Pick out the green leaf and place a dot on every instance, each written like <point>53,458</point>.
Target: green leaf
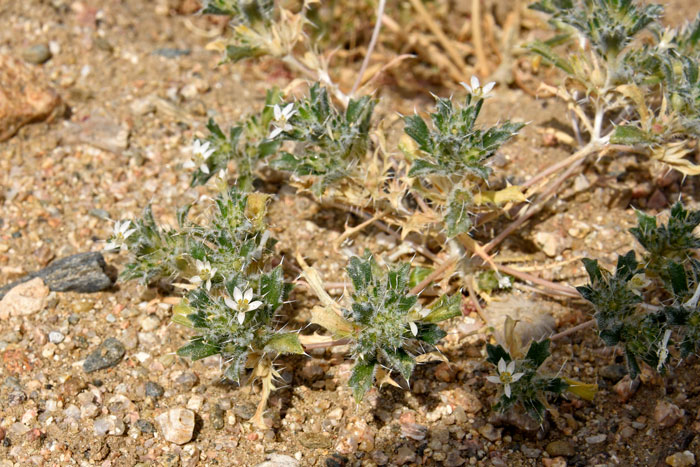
<point>285,343</point>
<point>197,349</point>
<point>538,352</point>
<point>678,278</point>
<point>430,333</point>
<point>418,274</point>
<point>630,135</point>
<point>400,361</point>
<point>416,128</point>
<point>236,365</point>
<point>626,266</point>
<point>546,52</point>
<point>361,378</point>
<point>446,307</point>
<point>495,353</point>
<point>272,287</point>
<point>360,273</point>
<point>593,270</point>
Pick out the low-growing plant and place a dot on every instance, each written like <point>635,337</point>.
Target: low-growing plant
<point>650,307</point>
<point>630,83</point>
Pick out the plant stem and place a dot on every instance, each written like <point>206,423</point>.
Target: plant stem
<point>370,48</point>
<point>444,266</point>
<point>585,325</point>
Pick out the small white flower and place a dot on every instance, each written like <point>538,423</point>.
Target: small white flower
<point>205,273</point>
<point>666,41</point>
<point>241,303</point>
<point>663,350</point>
<point>121,233</point>
<point>282,116</point>
<point>504,282</point>
<point>201,151</point>
<point>414,328</point>
<point>475,89</point>
<point>505,376</point>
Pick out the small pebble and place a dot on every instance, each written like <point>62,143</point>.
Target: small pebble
<point>37,54</point>
<point>56,337</point>
<point>145,426</point>
<point>177,425</point>
<point>560,448</point>
<point>154,390</point>
<point>667,414</point>
<point>187,381</point>
<point>596,439</point>
<point>681,459</point>
<point>107,355</point>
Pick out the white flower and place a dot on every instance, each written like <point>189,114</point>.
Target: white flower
<point>242,303</point>
<point>282,116</point>
<point>476,90</point>
<point>504,282</point>
<point>201,151</point>
<point>663,350</point>
<point>414,328</point>
<point>505,376</point>
<point>121,233</point>
<point>205,273</point>
<point>667,38</point>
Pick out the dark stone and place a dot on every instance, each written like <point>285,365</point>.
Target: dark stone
<point>16,398</point>
<point>154,390</point>
<point>244,411</point>
<point>217,417</point>
<point>84,273</point>
<point>336,460</point>
<point>145,426</point>
<point>107,355</point>
<point>613,373</point>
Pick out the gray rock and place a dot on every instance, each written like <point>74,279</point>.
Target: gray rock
<point>279,460</point>
<point>37,54</point>
<point>16,398</point>
<point>217,417</point>
<point>596,439</point>
<point>244,411</point>
<point>145,426</point>
<point>107,355</point>
<point>109,425</point>
<point>84,273</point>
<point>154,390</point>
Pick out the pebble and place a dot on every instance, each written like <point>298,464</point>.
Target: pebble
<point>149,323</point>
<point>489,432</point>
<point>667,414</point>
<point>110,424</point>
<point>37,54</point>
<point>531,453</point>
<point>195,403</point>
<point>404,455</point>
<point>89,410</point>
<point>625,388</point>
<point>613,373</point>
<point>681,459</point>
<point>154,390</point>
<point>596,439</point>
<point>177,425</point>
<point>188,380</point>
<point>560,447</point>
<point>312,440</point>
<point>244,411</point>
<point>554,462</point>
<point>24,299</point>
<point>16,398</point>
<point>217,417</point>
<point>145,426</point>
<point>107,355</point>
<point>56,337</point>
<point>279,460</point>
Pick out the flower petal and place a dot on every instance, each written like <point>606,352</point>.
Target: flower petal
<point>414,328</point>
<point>493,379</point>
<point>237,294</point>
<point>241,317</point>
<point>204,168</point>
<point>506,390</point>
<point>475,83</point>
<point>275,132</point>
<point>196,280</point>
<point>488,87</point>
<point>188,165</point>
<point>231,303</point>
<point>517,376</point>
<point>511,367</point>
<point>466,86</point>
<point>248,295</point>
<point>501,366</point>
<point>255,305</point>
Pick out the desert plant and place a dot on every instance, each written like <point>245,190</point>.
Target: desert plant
<point>642,305</point>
